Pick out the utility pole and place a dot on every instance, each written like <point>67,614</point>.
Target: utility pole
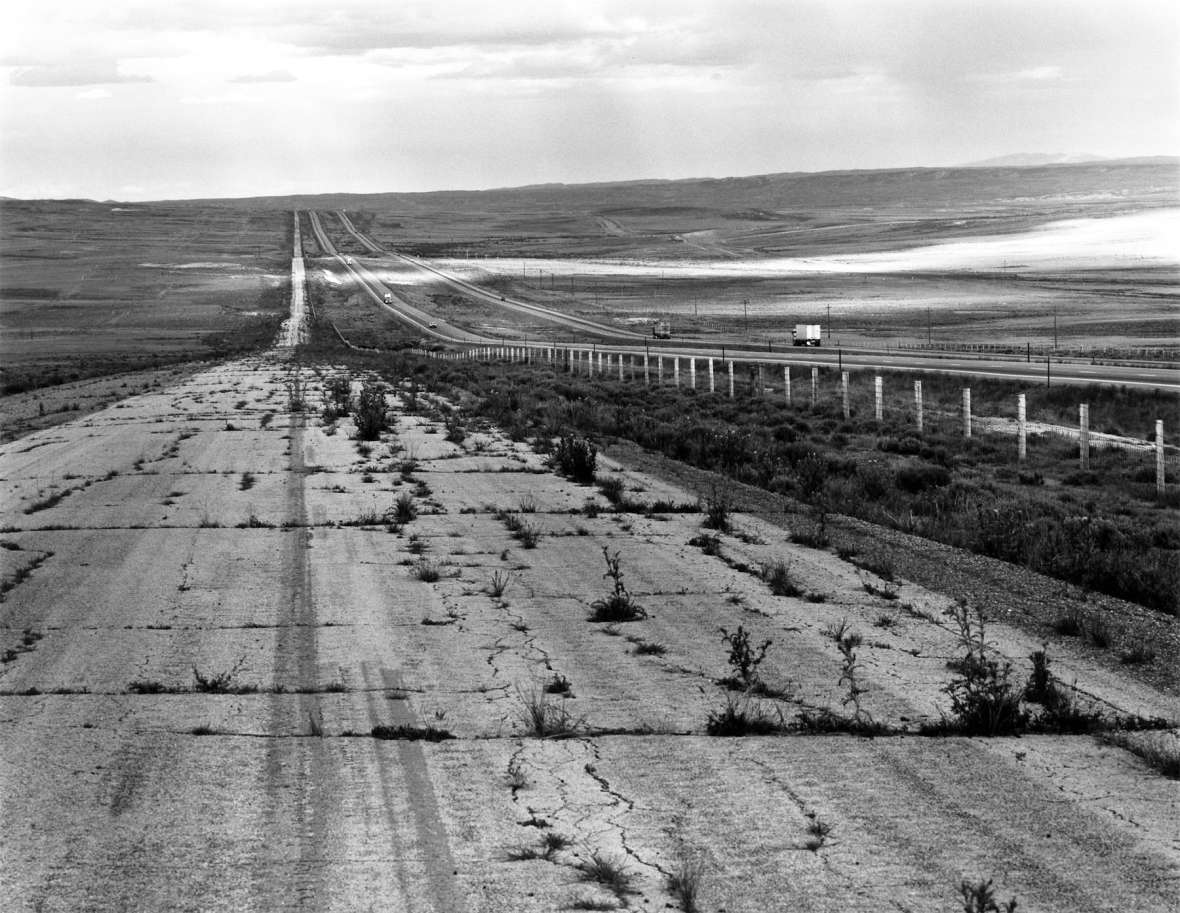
<point>746,311</point>
<point>1054,328</point>
<point>929,334</point>
<point>829,321</point>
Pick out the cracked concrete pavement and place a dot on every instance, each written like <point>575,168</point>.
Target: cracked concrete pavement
<point>212,532</point>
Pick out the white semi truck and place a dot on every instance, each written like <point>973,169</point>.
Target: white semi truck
<point>806,334</point>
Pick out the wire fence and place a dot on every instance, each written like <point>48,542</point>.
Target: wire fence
<point>1033,443</point>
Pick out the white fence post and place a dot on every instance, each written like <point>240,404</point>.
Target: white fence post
<point>966,412</point>
<point>660,370</point>
<point>620,366</point>
<point>731,379</point>
<point>692,373</point>
<point>787,384</point>
<point>1021,428</point>
<point>712,383</point>
<point>1159,456</point>
<point>1084,435</point>
<point>918,405</point>
<point>814,386</point>
<point>646,371</point>
<point>879,394</point>
<point>844,394</point>
<point>676,370</point>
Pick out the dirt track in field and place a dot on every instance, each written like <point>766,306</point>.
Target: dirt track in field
<point>209,528</point>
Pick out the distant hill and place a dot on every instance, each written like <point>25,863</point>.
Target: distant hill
<point>1035,186</point>
<point>1153,181</point>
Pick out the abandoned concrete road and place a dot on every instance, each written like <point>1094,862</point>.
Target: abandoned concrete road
<point>208,607</point>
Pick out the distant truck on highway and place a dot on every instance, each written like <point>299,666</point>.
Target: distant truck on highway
<point>806,334</point>
<point>389,297</point>
<point>662,330</point>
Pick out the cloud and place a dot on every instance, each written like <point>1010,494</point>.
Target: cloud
<point>270,76</point>
<point>83,73</point>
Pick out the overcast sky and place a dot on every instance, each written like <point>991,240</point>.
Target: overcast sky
<point>186,98</point>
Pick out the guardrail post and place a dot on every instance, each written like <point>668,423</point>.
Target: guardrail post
<point>600,363</point>
<point>1159,457</point>
<point>967,412</point>
<point>844,394</point>
<point>918,405</point>
<point>676,370</point>
<point>814,386</point>
<point>1084,435</point>
<point>787,384</point>
<point>761,382</point>
<point>646,371</point>
<point>879,396</point>
<point>620,366</point>
<point>660,370</point>
<point>692,373</point>
<point>712,380</point>
<point>1021,428</point>
<point>731,379</point>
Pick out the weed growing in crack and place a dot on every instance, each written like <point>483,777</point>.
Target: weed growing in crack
<point>739,717</point>
<point>684,880</point>
<point>1040,688</point>
<point>777,576</point>
<point>850,678</point>
<point>515,776</point>
<point>499,583</point>
<point>527,535</point>
<point>818,832</point>
<point>610,871</point>
<point>560,685</point>
<point>544,719</point>
<point>247,481</point>
<point>647,647</point>
<point>981,898</point>
<point>404,509</point>
<point>619,605</point>
<point>983,699</point>
<point>221,682</point>
<point>744,659</point>
<point>426,571</point>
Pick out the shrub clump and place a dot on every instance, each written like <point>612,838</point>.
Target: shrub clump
<point>371,417</point>
<point>576,458</point>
